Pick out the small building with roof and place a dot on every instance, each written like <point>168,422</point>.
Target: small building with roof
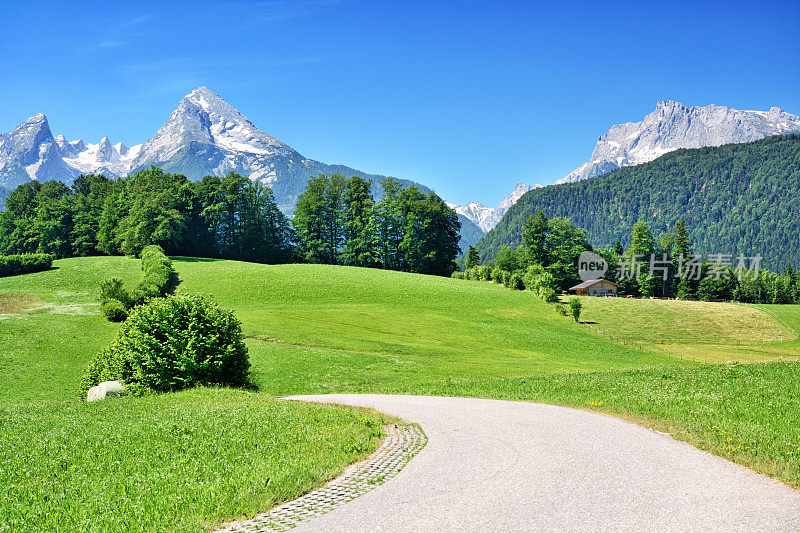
<point>595,287</point>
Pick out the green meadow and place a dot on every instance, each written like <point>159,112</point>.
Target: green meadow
<point>192,460</point>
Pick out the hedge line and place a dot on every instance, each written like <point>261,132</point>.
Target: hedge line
<point>159,279</point>
<point>13,265</point>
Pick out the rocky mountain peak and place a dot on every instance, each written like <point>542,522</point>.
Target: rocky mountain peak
<point>487,218</point>
<point>204,117</point>
<point>673,125</point>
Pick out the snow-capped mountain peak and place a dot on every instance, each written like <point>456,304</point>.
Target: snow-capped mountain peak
<point>101,158</point>
<point>204,117</point>
<point>487,218</point>
<point>30,151</point>
<point>673,125</point>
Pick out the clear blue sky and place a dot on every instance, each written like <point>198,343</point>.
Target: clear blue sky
<point>467,97</point>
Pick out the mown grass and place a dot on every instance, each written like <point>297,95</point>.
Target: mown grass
<point>700,331</point>
<point>46,343</point>
<point>175,462</point>
<point>317,328</point>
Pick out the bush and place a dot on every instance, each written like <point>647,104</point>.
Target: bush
<point>497,275</point>
<point>114,310</point>
<point>159,279</point>
<point>514,281</point>
<point>575,308</point>
<point>113,289</point>
<point>484,273</point>
<point>14,265</point>
<point>541,283</point>
<point>547,294</point>
<point>558,308</point>
<point>173,343</point>
<point>457,274</point>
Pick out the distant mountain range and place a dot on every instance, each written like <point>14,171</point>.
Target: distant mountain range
<point>204,136</point>
<point>670,127</point>
<point>487,218</point>
<point>674,125</point>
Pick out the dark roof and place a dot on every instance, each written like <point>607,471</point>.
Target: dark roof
<point>587,284</point>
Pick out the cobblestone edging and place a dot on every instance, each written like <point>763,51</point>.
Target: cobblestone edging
<point>399,446</point>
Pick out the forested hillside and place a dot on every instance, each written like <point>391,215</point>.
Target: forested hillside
<point>736,198</point>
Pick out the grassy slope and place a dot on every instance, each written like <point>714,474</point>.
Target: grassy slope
<point>45,349</point>
<point>183,461</point>
<point>318,329</point>
<point>703,331</point>
<point>350,329</point>
<point>310,326</point>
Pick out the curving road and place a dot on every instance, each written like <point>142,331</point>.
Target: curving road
<point>493,465</point>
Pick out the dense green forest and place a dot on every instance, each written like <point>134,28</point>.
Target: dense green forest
<point>735,199</point>
<point>546,262</point>
<point>337,221</point>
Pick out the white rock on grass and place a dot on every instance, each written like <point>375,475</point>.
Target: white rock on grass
<point>104,390</point>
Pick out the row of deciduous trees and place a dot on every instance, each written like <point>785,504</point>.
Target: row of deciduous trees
<point>338,221</point>
<point>226,217</point>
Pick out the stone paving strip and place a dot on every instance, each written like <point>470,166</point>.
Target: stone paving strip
<point>399,446</point>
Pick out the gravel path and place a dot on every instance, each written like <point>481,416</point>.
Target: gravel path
<point>493,465</point>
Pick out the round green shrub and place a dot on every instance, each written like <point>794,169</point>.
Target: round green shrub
<point>575,307</point>
<point>497,275</point>
<point>514,281</point>
<point>113,310</point>
<point>174,343</point>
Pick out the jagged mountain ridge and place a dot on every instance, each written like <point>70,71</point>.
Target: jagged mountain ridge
<point>487,218</point>
<point>205,135</point>
<point>674,125</point>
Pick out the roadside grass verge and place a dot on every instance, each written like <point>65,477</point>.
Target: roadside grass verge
<point>747,413</point>
<point>173,462</point>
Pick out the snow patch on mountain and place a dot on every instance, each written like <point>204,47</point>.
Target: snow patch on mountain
<point>487,218</point>
<point>674,125</point>
<point>103,157</point>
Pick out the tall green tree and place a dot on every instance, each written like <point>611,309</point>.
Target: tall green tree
<point>472,259</point>
<point>89,192</point>
<point>430,240</point>
<point>359,223</point>
<point>390,224</point>
<point>534,238</point>
<point>564,245</point>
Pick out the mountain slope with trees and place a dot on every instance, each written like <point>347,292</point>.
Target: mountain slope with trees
<point>737,198</point>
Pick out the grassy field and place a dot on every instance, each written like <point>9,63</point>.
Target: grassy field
<point>50,326</point>
<point>317,329</point>
<point>702,331</point>
<point>175,462</point>
<point>310,326</point>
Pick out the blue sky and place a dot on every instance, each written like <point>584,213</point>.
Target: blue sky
<point>467,97</point>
